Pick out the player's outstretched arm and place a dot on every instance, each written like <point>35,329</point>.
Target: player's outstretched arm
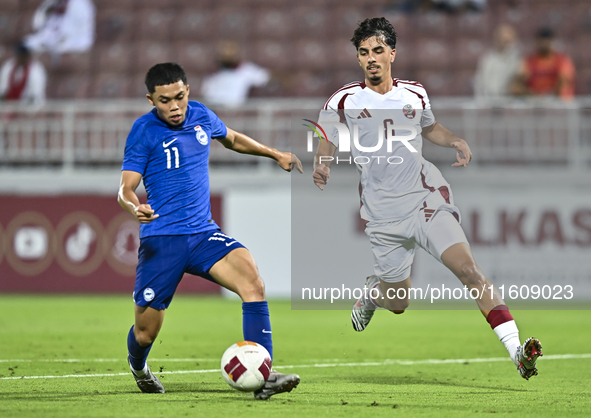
<point>321,164</point>
<point>437,134</point>
<point>244,144</point>
<point>129,200</point>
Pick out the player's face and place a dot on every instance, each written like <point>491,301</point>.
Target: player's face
<point>171,102</point>
<point>375,57</point>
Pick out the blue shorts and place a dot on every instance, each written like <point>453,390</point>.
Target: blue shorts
<point>163,259</point>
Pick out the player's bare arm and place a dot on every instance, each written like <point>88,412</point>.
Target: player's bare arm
<point>244,144</point>
<point>322,167</point>
<point>129,200</point>
<point>441,136</point>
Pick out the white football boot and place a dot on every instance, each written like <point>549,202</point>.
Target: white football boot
<point>526,356</point>
<point>364,308</point>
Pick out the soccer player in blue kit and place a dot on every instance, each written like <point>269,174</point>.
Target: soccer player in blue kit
<point>169,149</point>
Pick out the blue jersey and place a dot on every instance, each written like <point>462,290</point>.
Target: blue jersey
<point>174,164</point>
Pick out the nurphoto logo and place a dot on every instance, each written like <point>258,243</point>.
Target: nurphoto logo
<point>387,135</point>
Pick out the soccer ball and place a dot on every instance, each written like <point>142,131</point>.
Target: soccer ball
<point>246,366</point>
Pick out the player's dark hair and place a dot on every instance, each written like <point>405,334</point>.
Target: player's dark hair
<point>164,74</point>
<point>378,27</point>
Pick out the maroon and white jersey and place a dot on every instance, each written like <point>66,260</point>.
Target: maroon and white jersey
<point>394,179</point>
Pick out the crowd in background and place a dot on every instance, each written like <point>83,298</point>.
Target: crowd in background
<point>68,27</point>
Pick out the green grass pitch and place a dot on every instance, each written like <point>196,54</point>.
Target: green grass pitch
<point>379,372</point>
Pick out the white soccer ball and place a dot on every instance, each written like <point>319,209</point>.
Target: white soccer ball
<point>246,366</point>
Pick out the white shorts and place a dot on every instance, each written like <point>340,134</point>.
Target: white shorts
<point>434,227</point>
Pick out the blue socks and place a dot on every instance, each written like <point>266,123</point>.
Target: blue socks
<point>256,325</point>
<point>137,353</point>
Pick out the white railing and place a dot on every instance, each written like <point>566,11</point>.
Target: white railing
<point>73,134</point>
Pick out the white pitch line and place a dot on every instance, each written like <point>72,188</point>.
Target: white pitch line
<point>320,365</point>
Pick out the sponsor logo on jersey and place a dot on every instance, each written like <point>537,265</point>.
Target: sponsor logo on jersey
<point>408,111</point>
<point>364,114</point>
<point>201,135</point>
<point>165,144</point>
<point>149,294</point>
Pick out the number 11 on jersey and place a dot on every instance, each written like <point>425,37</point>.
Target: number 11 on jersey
<point>169,159</point>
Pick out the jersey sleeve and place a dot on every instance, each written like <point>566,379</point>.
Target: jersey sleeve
<point>136,154</point>
<point>327,119</point>
<point>332,112</point>
<point>218,129</point>
<point>427,118</point>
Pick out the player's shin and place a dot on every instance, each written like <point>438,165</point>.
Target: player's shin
<point>137,354</point>
<point>256,325</point>
<point>502,323</point>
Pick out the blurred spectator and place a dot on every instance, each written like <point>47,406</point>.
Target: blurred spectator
<point>449,6</point>
<point>546,72</point>
<point>231,84</point>
<point>497,69</point>
<point>452,6</point>
<point>62,26</point>
<point>23,78</point>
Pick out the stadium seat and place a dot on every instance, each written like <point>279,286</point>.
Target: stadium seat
<point>115,25</point>
<point>583,81</point>
<point>149,53</point>
<point>344,19</point>
<point>343,53</point>
<point>275,22</point>
<point>308,84</point>
<point>194,25</point>
<point>137,87</point>
<point>110,85</point>
<point>341,78</point>
<point>9,27</point>
<point>472,24</point>
<point>405,56</point>
<point>402,23</point>
<point>68,86</point>
<point>112,57</point>
<point>437,82</point>
<point>233,23</point>
<point>432,24</point>
<point>311,22</point>
<point>312,55</point>
<point>462,82</point>
<point>581,52</point>
<point>123,5</point>
<point>195,56</point>
<point>152,21</point>
<point>434,53</point>
<point>8,6</point>
<point>467,51</point>
<point>73,63</point>
<point>156,4</point>
<point>272,54</point>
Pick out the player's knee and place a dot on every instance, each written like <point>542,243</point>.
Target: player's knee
<point>145,337</point>
<point>471,275</point>
<point>397,311</point>
<point>251,284</point>
<point>398,306</point>
<point>258,286</point>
